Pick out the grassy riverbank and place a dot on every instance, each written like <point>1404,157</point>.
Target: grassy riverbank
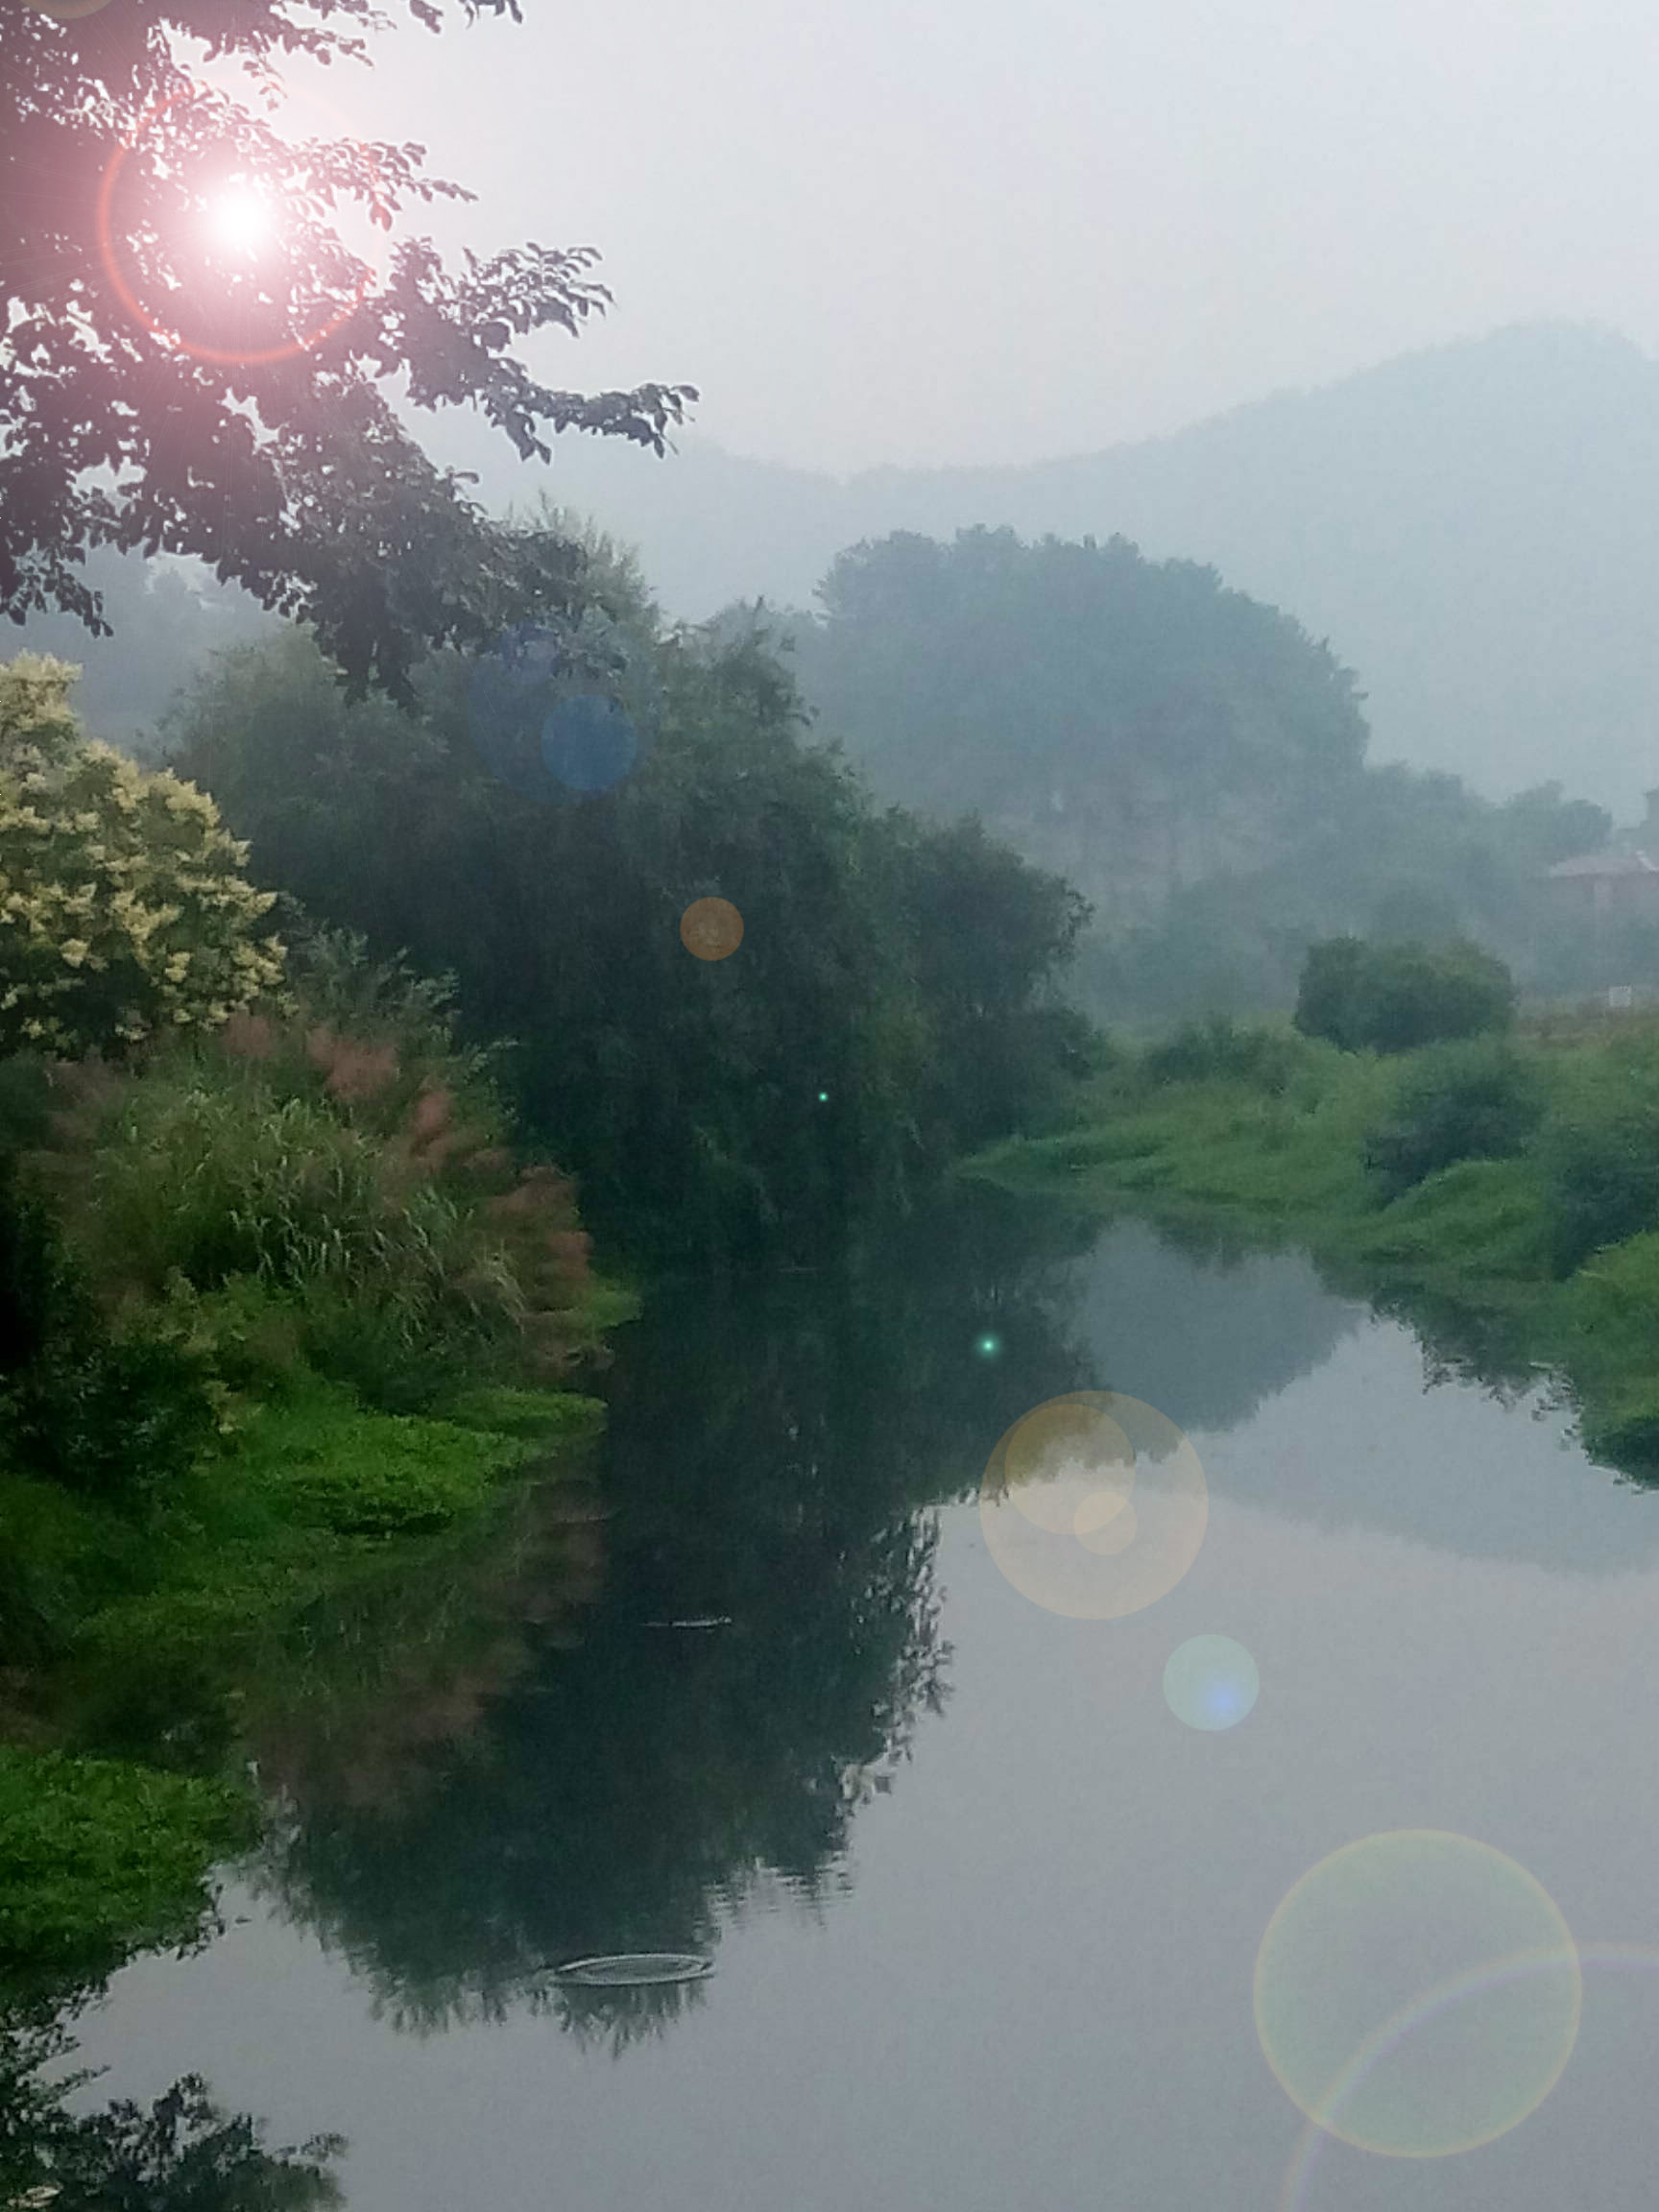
<point>1504,1194</point>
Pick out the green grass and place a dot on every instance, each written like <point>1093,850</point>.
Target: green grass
<point>1483,1218</point>
<point>545,1415</point>
<point>102,1859</point>
<point>322,1463</point>
<point>316,1494</point>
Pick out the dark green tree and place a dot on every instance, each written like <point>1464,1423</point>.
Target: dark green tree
<point>1391,998</point>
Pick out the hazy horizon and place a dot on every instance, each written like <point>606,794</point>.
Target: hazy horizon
<point>918,238</point>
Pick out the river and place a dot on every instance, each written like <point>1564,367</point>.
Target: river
<point>983,1914</point>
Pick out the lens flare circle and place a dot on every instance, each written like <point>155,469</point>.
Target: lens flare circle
<point>711,928</point>
<point>67,10</point>
<point>221,357</point>
<point>588,741</point>
<point>1417,1994</point>
<point>562,712</point>
<point>1093,1504</point>
<point>1211,1682</point>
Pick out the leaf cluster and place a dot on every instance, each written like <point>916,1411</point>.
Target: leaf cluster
<point>160,390</point>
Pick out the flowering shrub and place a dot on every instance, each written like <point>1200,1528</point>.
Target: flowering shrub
<point>124,912</point>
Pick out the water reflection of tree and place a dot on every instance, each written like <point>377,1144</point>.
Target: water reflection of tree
<point>181,2153</point>
<point>1490,1344</point>
<point>771,1457</point>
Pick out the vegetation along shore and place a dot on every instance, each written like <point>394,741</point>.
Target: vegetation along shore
<point>1494,1180</point>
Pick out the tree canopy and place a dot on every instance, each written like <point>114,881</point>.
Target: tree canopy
<point>179,383</point>
<point>887,1004</point>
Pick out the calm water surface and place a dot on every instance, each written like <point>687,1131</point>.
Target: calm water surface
<point>983,1914</point>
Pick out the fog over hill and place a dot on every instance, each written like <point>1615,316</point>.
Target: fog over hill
<point>1474,529</point>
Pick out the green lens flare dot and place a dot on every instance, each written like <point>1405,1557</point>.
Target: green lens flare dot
<point>1418,1994</point>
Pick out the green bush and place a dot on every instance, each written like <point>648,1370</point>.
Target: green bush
<point>1608,1309</point>
<point>199,1180</point>
<point>1600,1163</point>
<point>291,1194</point>
<point>1392,998</point>
<point>1475,1099</point>
<point>120,1415</point>
<point>325,1463</point>
<point>1218,1049</point>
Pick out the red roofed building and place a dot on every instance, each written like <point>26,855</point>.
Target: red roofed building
<point>1620,884</point>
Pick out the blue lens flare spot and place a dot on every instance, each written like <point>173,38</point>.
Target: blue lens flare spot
<point>1211,1682</point>
<point>589,742</point>
<point>988,1346</point>
<point>563,713</point>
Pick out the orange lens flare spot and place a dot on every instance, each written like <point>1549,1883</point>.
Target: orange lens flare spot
<point>711,928</point>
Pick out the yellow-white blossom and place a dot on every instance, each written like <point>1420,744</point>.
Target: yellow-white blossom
<point>114,881</point>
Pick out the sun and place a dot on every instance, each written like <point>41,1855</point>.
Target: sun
<point>240,218</point>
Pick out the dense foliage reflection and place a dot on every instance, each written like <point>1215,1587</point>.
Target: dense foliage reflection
<point>771,1457</point>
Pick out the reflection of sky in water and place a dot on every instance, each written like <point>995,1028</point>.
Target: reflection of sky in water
<point>1357,1441</point>
<point>1035,1983</point>
<point>1205,1344</point>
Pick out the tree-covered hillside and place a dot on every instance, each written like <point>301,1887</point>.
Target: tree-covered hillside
<point>1134,726</point>
<point>1191,758</point>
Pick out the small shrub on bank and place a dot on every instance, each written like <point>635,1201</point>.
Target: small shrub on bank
<point>1220,1051</point>
<point>292,1192</point>
<point>324,1463</point>
<point>1471,1101</point>
<point>1609,1309</point>
<point>1393,997</point>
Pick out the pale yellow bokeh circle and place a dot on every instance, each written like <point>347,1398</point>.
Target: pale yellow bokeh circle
<point>1417,1993</point>
<point>711,928</point>
<point>1093,1504</point>
<point>67,10</point>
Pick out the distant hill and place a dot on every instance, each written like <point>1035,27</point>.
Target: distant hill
<point>1475,530</point>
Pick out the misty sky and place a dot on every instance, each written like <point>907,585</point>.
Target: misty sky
<point>895,230</point>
